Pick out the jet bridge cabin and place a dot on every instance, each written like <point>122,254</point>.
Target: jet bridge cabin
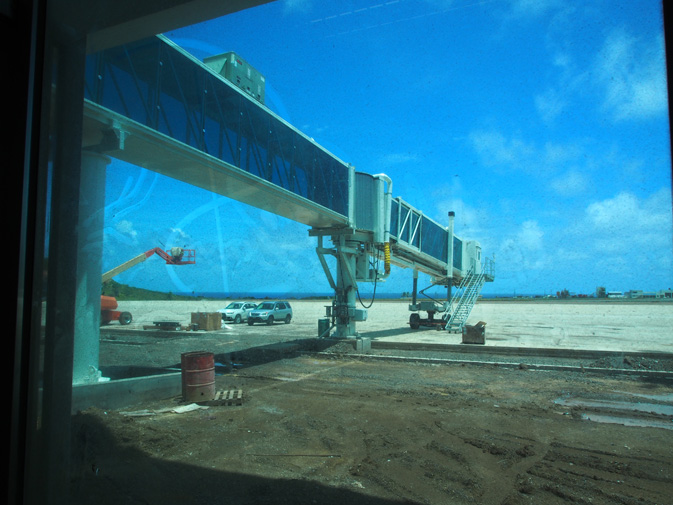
<point>415,240</point>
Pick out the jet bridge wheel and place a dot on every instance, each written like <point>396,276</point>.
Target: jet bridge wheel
<point>414,321</point>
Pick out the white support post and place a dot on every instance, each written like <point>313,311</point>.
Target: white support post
<point>449,269</point>
<point>89,268</point>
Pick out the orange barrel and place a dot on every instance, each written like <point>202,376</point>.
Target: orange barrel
<point>198,376</point>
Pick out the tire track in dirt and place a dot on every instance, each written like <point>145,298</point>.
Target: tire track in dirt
<point>586,475</point>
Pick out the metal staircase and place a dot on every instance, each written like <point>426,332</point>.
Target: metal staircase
<point>461,306</point>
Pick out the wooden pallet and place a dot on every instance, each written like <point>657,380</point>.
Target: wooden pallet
<point>226,397</point>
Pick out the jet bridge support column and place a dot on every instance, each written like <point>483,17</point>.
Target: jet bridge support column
<point>346,290</point>
<point>348,249</point>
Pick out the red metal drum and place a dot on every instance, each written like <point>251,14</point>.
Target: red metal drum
<point>198,376</point>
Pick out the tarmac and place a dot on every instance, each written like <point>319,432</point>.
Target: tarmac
<point>587,326</point>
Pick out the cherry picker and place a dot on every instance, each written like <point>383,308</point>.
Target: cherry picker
<point>108,304</point>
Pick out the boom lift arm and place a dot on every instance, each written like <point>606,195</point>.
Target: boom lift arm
<point>174,256</point>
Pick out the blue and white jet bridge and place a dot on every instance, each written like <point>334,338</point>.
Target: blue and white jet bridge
<point>152,104</point>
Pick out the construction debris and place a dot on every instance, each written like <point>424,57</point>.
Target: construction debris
<point>175,410</point>
<point>474,334</point>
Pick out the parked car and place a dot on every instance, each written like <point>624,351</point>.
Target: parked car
<point>237,311</point>
<point>269,312</point>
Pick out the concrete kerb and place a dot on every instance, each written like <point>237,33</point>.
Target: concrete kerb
<point>517,351</point>
<point>124,392</point>
<point>514,365</point>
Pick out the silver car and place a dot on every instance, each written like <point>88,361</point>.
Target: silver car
<point>269,312</point>
<point>237,311</point>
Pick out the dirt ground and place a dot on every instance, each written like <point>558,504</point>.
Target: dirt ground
<point>320,424</point>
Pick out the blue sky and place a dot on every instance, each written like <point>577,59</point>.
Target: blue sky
<point>542,123</point>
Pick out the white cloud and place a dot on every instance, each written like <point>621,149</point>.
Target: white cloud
<point>625,238</point>
<point>631,74</point>
<point>627,224</point>
<point>550,105</point>
<point>496,149</point>
<point>126,228</point>
<point>530,236</point>
<point>179,233</point>
<point>627,212</point>
<point>562,60</point>
<point>515,153</point>
<point>625,78</point>
<point>570,184</point>
<point>558,155</point>
<point>523,251</point>
<point>469,221</point>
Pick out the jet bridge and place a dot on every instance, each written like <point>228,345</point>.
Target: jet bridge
<point>385,231</point>
<point>152,104</point>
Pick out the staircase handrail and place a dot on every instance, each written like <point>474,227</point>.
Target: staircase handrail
<point>461,312</point>
<point>454,303</point>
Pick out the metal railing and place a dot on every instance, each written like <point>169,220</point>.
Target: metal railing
<point>461,306</point>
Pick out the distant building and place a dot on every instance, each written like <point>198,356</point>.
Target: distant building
<point>639,293</point>
<point>615,294</point>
